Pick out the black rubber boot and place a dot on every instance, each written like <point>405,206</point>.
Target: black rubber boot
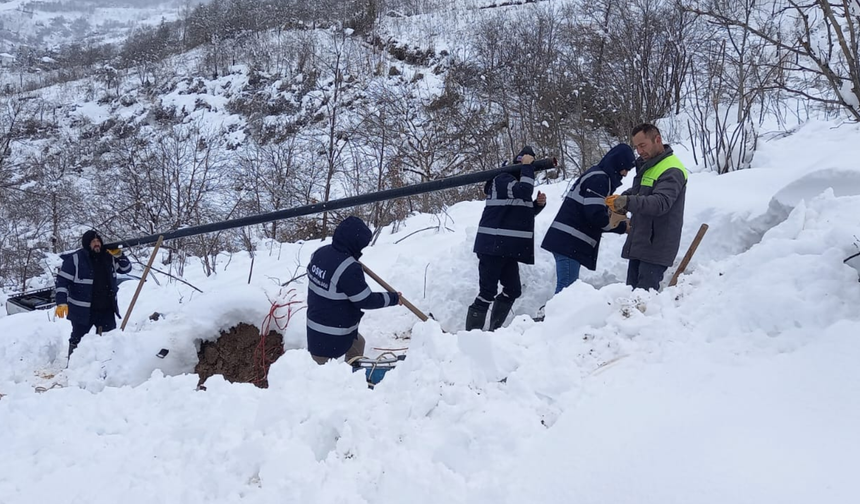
<point>476,316</point>
<point>72,347</point>
<point>501,307</point>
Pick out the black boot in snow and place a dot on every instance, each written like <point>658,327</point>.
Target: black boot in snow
<point>501,307</point>
<point>72,347</point>
<point>476,317</point>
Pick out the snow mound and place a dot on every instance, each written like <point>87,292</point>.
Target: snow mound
<point>841,182</point>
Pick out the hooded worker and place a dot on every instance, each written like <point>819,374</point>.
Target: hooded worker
<point>87,287</point>
<point>505,238</point>
<point>574,235</point>
<point>338,292</point>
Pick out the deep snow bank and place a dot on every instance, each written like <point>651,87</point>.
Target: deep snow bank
<point>738,384</point>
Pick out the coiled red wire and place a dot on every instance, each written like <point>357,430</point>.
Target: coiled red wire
<point>261,361</point>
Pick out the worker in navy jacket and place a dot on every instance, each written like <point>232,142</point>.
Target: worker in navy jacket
<point>574,235</point>
<point>505,238</point>
<point>86,287</point>
<point>338,292</point>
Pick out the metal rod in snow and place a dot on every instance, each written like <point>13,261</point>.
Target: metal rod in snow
<point>362,199</point>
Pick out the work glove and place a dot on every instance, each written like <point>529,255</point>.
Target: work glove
<point>615,219</point>
<point>527,159</point>
<point>617,203</point>
<point>62,310</point>
<point>541,199</point>
<point>115,252</point>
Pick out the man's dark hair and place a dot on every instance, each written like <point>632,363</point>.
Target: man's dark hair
<point>648,129</point>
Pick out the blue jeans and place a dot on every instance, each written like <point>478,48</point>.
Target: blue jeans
<point>566,271</point>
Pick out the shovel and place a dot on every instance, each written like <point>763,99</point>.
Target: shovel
<point>418,313</point>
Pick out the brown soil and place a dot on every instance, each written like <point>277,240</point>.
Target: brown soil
<point>234,355</point>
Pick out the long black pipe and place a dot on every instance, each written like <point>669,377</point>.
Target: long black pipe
<point>362,199</point>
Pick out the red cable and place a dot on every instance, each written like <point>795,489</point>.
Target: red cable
<point>260,361</point>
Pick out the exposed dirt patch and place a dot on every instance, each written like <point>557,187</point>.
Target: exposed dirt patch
<point>237,356</point>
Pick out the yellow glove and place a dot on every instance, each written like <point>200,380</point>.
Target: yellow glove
<point>617,203</point>
<point>62,310</point>
<point>115,252</point>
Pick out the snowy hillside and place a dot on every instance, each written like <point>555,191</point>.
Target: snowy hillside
<point>51,24</point>
<point>739,385</point>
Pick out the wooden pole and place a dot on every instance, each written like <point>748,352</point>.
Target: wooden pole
<point>389,288</point>
<point>689,255</point>
<point>140,283</point>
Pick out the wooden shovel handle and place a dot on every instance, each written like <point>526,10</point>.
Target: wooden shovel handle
<point>689,255</point>
<point>142,280</point>
<point>389,288</point>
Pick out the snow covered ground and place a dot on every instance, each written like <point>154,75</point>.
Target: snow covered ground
<point>738,385</point>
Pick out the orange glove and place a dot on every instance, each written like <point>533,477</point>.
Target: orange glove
<point>62,310</point>
<point>617,203</point>
<point>115,252</point>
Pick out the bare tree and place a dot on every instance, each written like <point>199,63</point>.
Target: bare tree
<point>635,60</point>
<point>269,177</point>
<point>55,171</point>
<point>814,47</point>
<point>372,150</point>
<point>146,48</point>
<point>726,87</point>
<point>11,117</point>
<point>572,80</point>
<point>335,65</point>
<point>172,179</point>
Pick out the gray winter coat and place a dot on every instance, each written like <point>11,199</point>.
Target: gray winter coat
<point>658,213</point>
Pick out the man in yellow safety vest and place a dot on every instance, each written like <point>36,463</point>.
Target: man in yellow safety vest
<point>656,202</point>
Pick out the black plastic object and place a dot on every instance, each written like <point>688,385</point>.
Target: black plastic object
<point>362,199</point>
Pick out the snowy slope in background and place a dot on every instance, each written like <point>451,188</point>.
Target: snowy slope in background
<point>57,23</point>
<point>738,385</point>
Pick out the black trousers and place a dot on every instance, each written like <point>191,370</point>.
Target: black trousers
<point>643,275</point>
<point>104,320</point>
<point>493,270</point>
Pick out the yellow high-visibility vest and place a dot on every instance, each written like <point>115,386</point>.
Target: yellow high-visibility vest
<point>652,174</point>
